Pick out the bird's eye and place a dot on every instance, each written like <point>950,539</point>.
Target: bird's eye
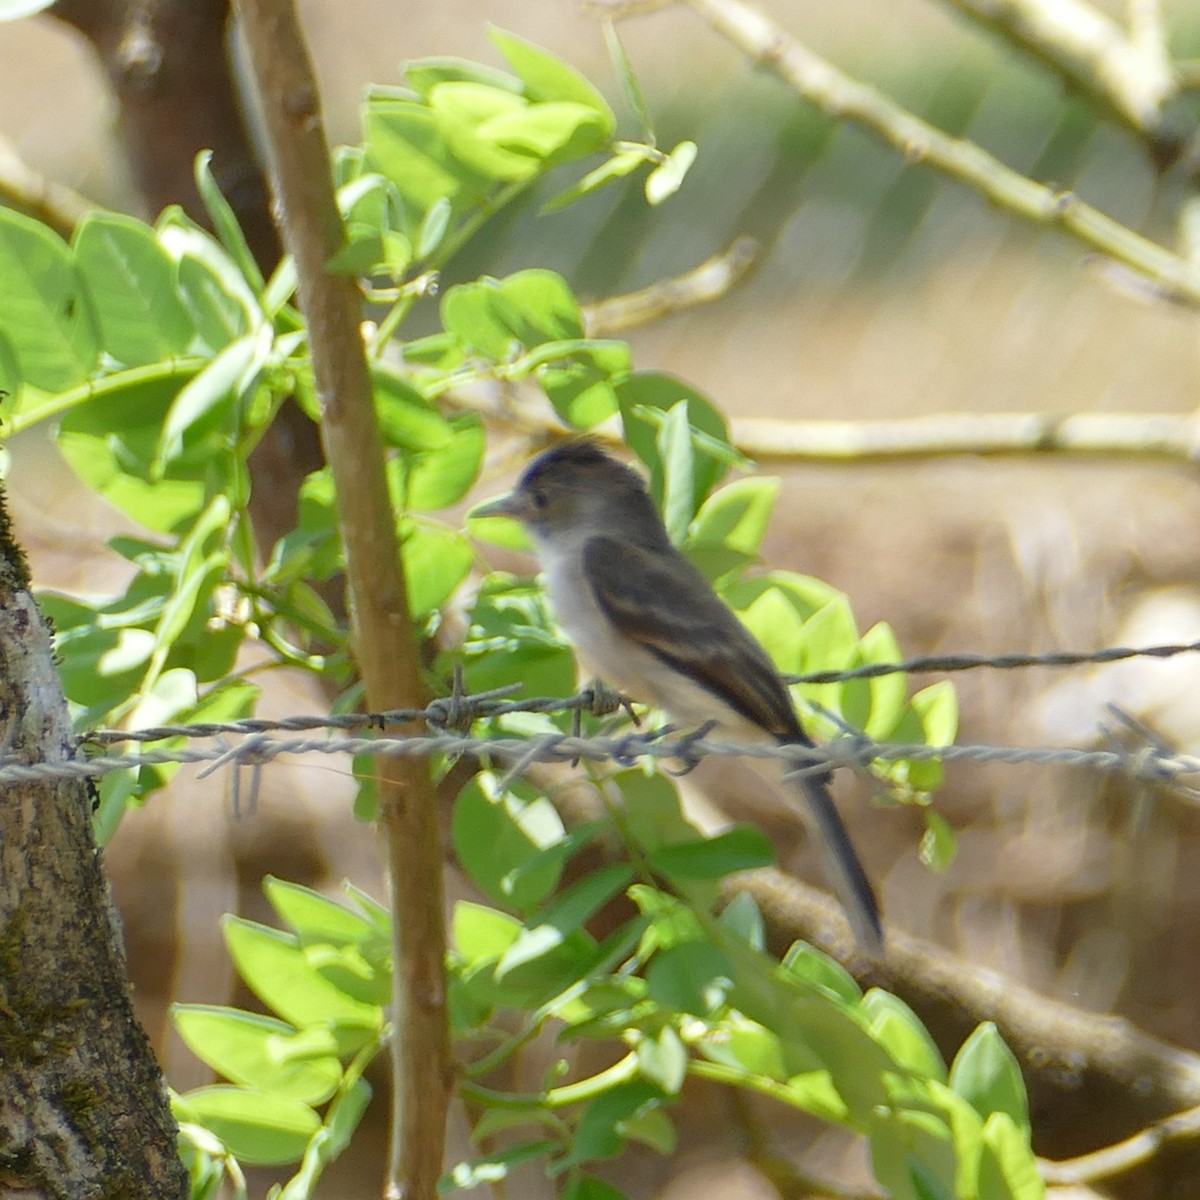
<point>537,498</point>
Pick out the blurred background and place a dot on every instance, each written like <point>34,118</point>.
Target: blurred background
<point>884,291</point>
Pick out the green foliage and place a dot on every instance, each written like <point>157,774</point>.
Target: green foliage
<point>295,1091</point>
<point>161,356</point>
<point>677,992</point>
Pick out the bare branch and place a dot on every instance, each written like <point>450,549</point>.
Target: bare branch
<point>1066,1048</point>
<point>1126,435</point>
<point>1128,75</point>
<point>711,280</point>
<point>838,95</point>
<point>1124,1156</point>
<point>52,203</point>
<point>384,639</point>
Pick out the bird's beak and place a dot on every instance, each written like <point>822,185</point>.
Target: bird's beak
<point>513,505</point>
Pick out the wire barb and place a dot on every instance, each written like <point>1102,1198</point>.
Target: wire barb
<point>448,721</point>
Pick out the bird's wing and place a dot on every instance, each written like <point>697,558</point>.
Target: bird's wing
<point>667,607</point>
<point>661,602</point>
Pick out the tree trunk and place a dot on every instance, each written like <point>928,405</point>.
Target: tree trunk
<point>83,1107</point>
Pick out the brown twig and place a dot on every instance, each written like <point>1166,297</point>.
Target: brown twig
<point>711,280</point>
<point>52,203</point>
<point>1125,1155</point>
<point>1104,1062</point>
<point>386,648</point>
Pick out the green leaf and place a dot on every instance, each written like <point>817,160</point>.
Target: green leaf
<point>163,698</point>
<point>986,1074</point>
<point>623,163</point>
<point>652,1127</point>
<point>743,917</point>
<point>529,307</point>
<point>913,1155</point>
<point>426,481</point>
<point>898,1029</point>
<point>362,971</point>
<point>663,1060</point>
<point>132,282</point>
<point>584,898</point>
<point>45,311</point>
<point>436,561</point>
<point>256,1127</point>
<point>461,111</point>
<point>819,970</point>
<point>548,78</point>
<point>433,227</point>
<point>497,834</point>
<point>587,1187</point>
<point>315,918</point>
<point>939,846</point>
<point>631,89</point>
<point>204,400</point>
<point>423,74</point>
<point>224,222</point>
<point>737,515</point>
<point>876,705</point>
<point>747,1046</point>
<point>690,977</point>
<point>1007,1167</point>
<point>253,1051</point>
<point>667,178</point>
<point>739,849</point>
<point>546,134</point>
<point>655,391</point>
<point>937,706</point>
<point>581,392</point>
<point>219,301</point>
<point>405,143</point>
<point>601,1130</point>
<point>111,443</point>
<point>653,812</point>
<point>674,444</point>
<point>276,970</point>
<point>480,932</point>
<point>10,377</point>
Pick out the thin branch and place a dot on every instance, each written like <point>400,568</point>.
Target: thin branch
<point>1114,1160</point>
<point>384,639</point>
<point>1099,1055</point>
<point>841,97</point>
<point>1124,435</point>
<point>1128,75</point>
<point>711,280</point>
<point>52,203</point>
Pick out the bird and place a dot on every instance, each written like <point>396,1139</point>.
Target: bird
<point>642,615</point>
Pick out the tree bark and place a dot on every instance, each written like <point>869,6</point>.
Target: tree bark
<point>83,1106</point>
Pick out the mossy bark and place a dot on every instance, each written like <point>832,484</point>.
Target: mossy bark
<point>83,1107</point>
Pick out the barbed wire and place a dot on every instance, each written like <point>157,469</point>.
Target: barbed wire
<point>970,662</point>
<point>448,721</point>
<point>1149,762</point>
<point>458,709</point>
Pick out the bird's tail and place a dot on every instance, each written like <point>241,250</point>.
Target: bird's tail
<point>841,863</point>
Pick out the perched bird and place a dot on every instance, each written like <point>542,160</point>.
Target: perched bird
<point>645,619</point>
